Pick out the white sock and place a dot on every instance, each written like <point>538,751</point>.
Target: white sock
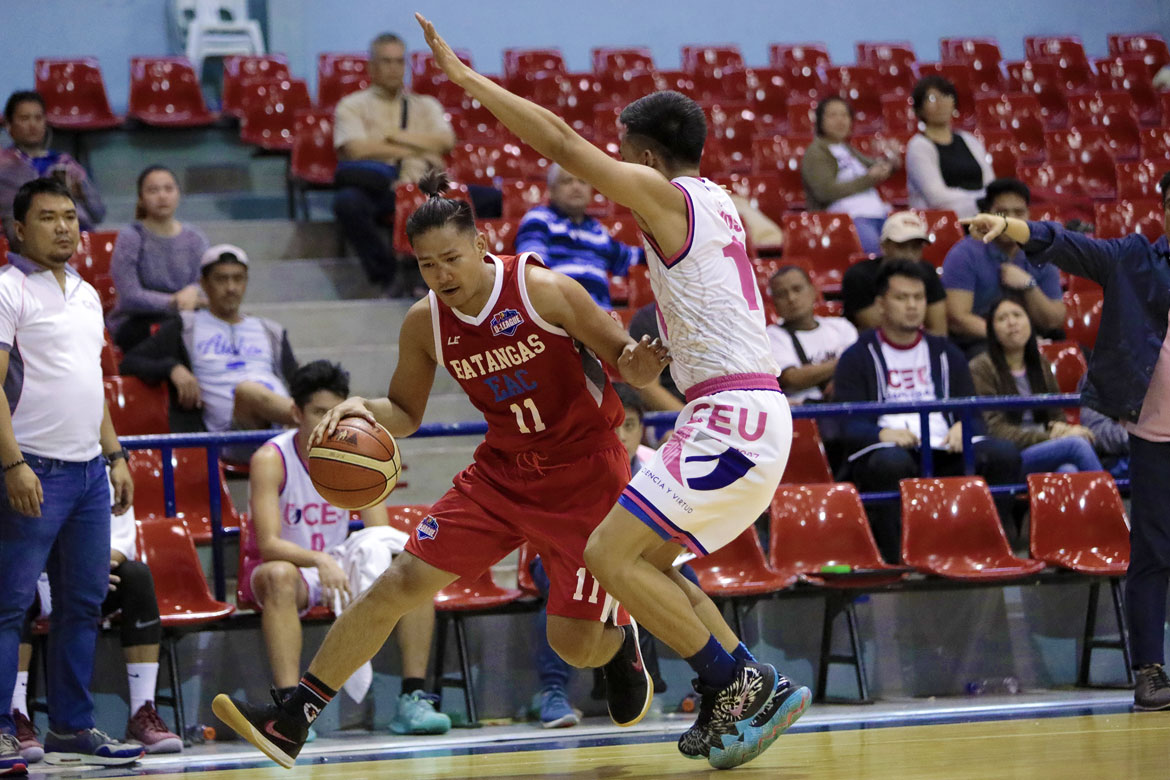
<point>143,678</point>
<point>20,693</point>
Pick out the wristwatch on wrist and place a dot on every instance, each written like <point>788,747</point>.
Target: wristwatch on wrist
<point>1031,283</point>
<point>115,455</point>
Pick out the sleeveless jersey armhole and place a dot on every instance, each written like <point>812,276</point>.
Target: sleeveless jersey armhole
<point>522,285</point>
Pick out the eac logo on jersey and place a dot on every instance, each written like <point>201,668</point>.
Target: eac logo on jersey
<point>505,322</point>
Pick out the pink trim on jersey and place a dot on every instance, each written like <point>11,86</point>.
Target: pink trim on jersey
<point>882,337</point>
<point>686,247</point>
<point>722,384</point>
<point>283,465</point>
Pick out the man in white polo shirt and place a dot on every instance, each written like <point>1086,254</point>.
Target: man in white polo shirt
<point>55,513</point>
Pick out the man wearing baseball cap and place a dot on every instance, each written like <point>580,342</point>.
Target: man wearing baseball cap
<point>904,236</point>
<point>227,370</point>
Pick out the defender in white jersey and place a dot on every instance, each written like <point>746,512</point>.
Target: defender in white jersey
<point>300,555</point>
<point>715,475</point>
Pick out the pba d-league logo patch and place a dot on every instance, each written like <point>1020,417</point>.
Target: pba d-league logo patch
<point>428,528</point>
<point>505,322</point>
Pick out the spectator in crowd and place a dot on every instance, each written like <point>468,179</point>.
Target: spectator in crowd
<point>301,555</point>
<point>1128,380</point>
<point>56,440</point>
<point>899,363</point>
<point>945,168</point>
<point>383,135</point>
<point>156,261</point>
<point>226,369</point>
<point>1013,365</point>
<point>1110,438</point>
<point>571,241</point>
<point>662,395</point>
<point>904,237</point>
<point>976,274</point>
<point>761,229</point>
<point>30,157</point>
<point>841,179</point>
<point>805,345</point>
<point>132,595</point>
<point>555,708</point>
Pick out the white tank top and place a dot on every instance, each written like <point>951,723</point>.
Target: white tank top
<point>306,519</point>
<point>710,310</point>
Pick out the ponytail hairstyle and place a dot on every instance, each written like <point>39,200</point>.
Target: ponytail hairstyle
<point>139,209</point>
<point>438,210</point>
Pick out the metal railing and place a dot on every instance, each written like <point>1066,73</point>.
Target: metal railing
<point>965,408</point>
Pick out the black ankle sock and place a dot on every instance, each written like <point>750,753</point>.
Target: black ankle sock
<point>412,684</point>
<point>308,699</point>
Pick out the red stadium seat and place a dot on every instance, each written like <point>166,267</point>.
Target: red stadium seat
<point>942,225</point>
<point>74,94</point>
<point>774,193</point>
<point>1058,182</point>
<point>638,283</point>
<point>779,152</point>
<point>313,159</point>
<point>898,114</point>
<point>1003,151</point>
<point>950,529</point>
<point>165,92</point>
<point>1137,180</point>
<point>184,601</point>
<point>894,63</point>
<point>1155,144</point>
<point>982,58</point>
<point>486,162</point>
<point>860,86</point>
<point>801,65</point>
<point>826,239</point>
<point>426,78</point>
<point>961,76</point>
<point>240,68</point>
<point>611,60</point>
<point>1067,53</point>
<point>1018,113</point>
<point>136,408</point>
<point>520,195</point>
<point>192,503</point>
<point>802,116</point>
<point>518,62</point>
<point>1088,148</point>
<point>1082,317</point>
<point>500,234</point>
<point>732,128</point>
<point>807,461</point>
<point>1123,217</point>
<point>711,60</point>
<point>737,570</point>
<point>1078,522</point>
<point>767,93</point>
<point>339,74</point>
<point>1115,113</point>
<point>270,121</point>
<point>623,228</point>
<point>623,87</point>
<point>111,355</point>
<point>95,250</point>
<point>1150,47</point>
<point>1130,75</point>
<point>1068,366</point>
<point>1043,80</point>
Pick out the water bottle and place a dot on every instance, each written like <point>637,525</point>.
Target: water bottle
<point>993,686</point>
<point>200,733</point>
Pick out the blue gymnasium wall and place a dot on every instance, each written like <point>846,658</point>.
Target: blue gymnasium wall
<point>113,30</point>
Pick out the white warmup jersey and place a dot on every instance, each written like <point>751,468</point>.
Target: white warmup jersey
<point>306,519</point>
<point>710,310</point>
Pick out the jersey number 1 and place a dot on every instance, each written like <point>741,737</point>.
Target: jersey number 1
<point>737,253</point>
<point>580,594</point>
<point>537,423</point>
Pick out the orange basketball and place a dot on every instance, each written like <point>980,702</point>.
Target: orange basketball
<point>357,466</point>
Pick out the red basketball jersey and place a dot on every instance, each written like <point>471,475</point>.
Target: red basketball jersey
<point>538,388</point>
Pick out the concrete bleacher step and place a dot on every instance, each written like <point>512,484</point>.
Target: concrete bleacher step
<point>326,279</point>
<point>273,239</point>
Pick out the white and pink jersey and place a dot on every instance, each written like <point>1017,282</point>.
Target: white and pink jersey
<point>710,310</point>
<point>306,519</point>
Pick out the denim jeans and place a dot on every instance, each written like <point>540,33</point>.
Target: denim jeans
<point>1068,453</point>
<point>869,230</point>
<point>70,540</point>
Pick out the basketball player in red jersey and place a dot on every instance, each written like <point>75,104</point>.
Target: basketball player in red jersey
<point>523,342</point>
<point>720,468</point>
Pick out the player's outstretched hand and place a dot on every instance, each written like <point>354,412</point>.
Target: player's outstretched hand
<point>445,57</point>
<point>641,363</point>
<point>985,227</point>
<point>350,407</point>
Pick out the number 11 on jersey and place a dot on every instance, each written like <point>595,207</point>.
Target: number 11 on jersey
<point>537,423</point>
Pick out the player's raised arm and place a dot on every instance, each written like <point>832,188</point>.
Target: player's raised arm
<point>401,411</point>
<point>639,188</point>
<point>562,301</point>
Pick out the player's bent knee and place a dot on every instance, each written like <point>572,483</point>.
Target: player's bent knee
<point>276,581</point>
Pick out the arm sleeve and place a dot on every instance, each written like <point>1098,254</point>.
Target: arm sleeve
<point>1077,253</point>
<point>91,199</point>
<point>532,236</point>
<point>1048,279</point>
<point>347,125</point>
<point>958,268</point>
<point>132,296</point>
<point>925,176</point>
<point>1111,437</point>
<point>818,169</point>
<point>998,424</point>
<point>782,348</point>
<point>153,359</point>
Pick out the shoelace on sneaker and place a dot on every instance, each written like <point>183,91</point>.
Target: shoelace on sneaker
<point>1158,679</point>
<point>556,696</point>
<point>9,743</point>
<point>152,718</point>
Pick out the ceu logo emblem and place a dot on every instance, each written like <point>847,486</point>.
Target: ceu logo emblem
<point>296,518</point>
<point>727,466</point>
<point>505,322</point>
<point>428,528</point>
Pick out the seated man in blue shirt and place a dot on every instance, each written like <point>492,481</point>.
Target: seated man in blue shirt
<point>976,274</point>
<point>572,242</point>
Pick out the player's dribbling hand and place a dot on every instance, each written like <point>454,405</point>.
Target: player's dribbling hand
<point>641,363</point>
<point>350,407</point>
<point>24,490</point>
<point>445,58</point>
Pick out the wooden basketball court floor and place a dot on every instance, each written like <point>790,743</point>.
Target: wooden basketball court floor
<point>1068,735</point>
